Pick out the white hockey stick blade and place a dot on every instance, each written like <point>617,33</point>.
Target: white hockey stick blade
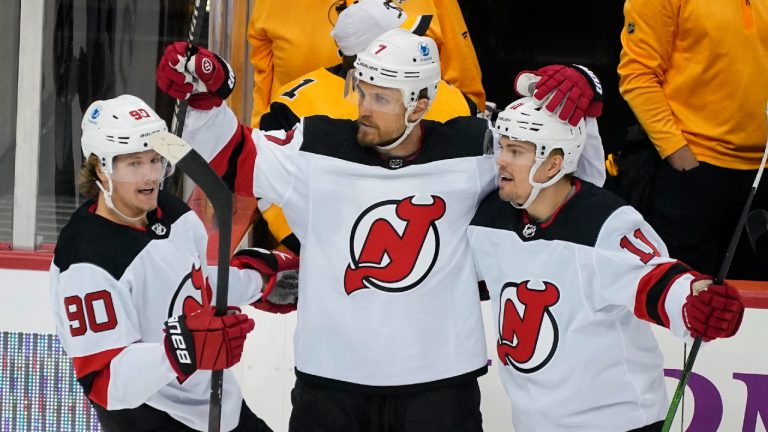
<point>169,146</point>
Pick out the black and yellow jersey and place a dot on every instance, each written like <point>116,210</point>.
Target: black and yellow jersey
<point>322,92</point>
<point>287,42</point>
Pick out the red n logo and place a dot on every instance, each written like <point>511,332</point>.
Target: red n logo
<point>390,260</point>
<point>520,335</point>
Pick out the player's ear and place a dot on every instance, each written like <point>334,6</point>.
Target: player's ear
<point>100,176</point>
<point>421,108</point>
<point>554,163</point>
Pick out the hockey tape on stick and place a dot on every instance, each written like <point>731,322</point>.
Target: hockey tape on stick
<point>724,267</point>
<point>186,159</point>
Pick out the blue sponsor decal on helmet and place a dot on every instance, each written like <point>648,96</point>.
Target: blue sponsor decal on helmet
<point>95,113</point>
<point>423,49</point>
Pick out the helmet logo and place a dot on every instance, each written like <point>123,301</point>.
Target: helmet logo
<point>390,6</point>
<point>96,113</point>
<point>207,65</point>
<point>382,47</point>
<point>423,49</point>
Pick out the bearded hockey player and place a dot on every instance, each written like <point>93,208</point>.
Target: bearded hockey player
<point>389,332</point>
<point>321,92</point>
<point>573,273</point>
<point>130,291</point>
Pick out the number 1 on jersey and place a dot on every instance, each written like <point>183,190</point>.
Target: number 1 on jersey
<point>291,93</point>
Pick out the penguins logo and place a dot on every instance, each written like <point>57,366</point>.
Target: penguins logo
<point>528,334</point>
<point>394,245</point>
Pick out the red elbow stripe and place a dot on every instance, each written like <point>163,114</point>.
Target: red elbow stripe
<point>220,163</point>
<point>93,373</point>
<point>245,165</point>
<point>653,289</point>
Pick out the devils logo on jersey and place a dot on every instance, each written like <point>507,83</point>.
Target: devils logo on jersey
<point>193,286</point>
<point>528,334</point>
<point>394,245</point>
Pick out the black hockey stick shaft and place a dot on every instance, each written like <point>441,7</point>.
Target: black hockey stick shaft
<point>195,27</point>
<point>181,154</point>
<point>721,274</point>
<point>223,215</point>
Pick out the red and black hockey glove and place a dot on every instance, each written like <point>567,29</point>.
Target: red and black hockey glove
<point>206,79</point>
<point>280,270</point>
<point>204,341</point>
<point>571,92</point>
<point>712,311</point>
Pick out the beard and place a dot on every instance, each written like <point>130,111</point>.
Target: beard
<point>371,137</point>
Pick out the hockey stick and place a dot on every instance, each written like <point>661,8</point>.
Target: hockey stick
<point>195,27</point>
<point>757,226</point>
<point>724,267</point>
<point>181,154</point>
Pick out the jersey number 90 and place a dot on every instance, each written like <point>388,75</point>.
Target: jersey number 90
<point>82,313</point>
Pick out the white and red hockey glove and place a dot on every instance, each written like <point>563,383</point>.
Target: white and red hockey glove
<point>280,293</point>
<point>204,341</point>
<point>712,311</point>
<point>206,79</point>
<point>571,92</point>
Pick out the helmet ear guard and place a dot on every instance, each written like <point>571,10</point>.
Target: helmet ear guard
<point>525,120</point>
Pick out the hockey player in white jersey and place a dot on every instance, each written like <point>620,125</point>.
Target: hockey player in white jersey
<point>389,333</point>
<point>130,291</point>
<point>572,270</point>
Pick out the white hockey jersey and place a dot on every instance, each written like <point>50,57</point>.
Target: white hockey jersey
<point>566,296</point>
<point>387,291</point>
<point>113,287</point>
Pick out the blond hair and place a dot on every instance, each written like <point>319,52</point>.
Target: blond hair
<point>88,177</point>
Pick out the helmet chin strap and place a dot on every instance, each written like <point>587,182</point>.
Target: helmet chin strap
<point>108,199</point>
<point>408,128</point>
<point>537,187</point>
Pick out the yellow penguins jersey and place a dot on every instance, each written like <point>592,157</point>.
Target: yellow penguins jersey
<point>321,92</point>
<point>289,42</point>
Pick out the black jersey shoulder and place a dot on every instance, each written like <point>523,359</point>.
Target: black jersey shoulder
<point>279,117</point>
<point>578,221</point>
<point>456,138</point>
<point>89,238</point>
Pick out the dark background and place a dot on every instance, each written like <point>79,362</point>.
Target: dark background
<point>510,36</point>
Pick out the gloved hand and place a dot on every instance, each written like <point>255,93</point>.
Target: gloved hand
<point>206,76</point>
<point>575,90</point>
<point>204,341</point>
<point>712,311</point>
<point>279,268</point>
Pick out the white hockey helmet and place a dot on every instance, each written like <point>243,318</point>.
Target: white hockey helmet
<point>524,120</point>
<point>118,126</point>
<point>402,60</point>
<point>121,126</point>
